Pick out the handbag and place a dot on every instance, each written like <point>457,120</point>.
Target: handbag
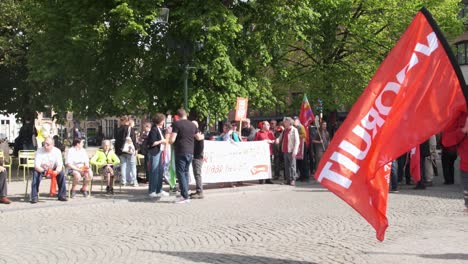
<point>128,146</point>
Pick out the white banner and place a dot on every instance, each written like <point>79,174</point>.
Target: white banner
<point>235,161</point>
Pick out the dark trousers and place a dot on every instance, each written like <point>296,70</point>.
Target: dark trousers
<point>423,180</point>
<point>394,176</point>
<point>278,163</point>
<point>448,161</point>
<point>182,164</point>
<point>36,181</point>
<point>3,184</point>
<point>464,180</point>
<point>197,169</point>
<point>403,171</point>
<point>312,164</point>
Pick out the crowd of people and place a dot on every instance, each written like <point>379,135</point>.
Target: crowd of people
<point>295,153</point>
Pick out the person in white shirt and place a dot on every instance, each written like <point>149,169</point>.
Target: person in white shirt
<point>48,159</point>
<point>78,165</point>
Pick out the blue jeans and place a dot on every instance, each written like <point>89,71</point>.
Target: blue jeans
<point>36,181</point>
<point>128,168</point>
<point>156,173</point>
<point>182,164</point>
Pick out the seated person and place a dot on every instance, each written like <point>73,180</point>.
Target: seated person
<point>106,160</point>
<point>78,165</point>
<point>48,159</point>
<point>3,186</point>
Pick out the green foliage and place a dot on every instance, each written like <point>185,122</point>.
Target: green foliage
<point>111,57</point>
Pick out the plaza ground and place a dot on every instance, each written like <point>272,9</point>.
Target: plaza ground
<point>247,224</point>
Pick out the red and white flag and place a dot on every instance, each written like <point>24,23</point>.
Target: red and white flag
<point>413,95</point>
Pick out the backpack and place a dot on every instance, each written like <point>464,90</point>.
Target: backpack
<point>143,147</point>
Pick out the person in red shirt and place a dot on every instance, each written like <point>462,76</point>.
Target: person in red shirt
<point>456,135</point>
<point>267,135</point>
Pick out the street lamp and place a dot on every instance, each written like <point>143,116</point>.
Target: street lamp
<point>163,15</point>
<point>186,72</point>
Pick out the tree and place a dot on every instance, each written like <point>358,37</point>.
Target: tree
<point>112,57</point>
<point>333,54</point>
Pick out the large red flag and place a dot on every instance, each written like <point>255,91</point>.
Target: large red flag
<point>414,94</point>
<point>306,116</point>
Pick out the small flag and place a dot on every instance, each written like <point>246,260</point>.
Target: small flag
<point>306,116</point>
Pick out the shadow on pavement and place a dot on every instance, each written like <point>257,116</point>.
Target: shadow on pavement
<point>208,257</point>
<point>446,256</point>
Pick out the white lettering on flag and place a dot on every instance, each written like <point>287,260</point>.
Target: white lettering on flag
<point>370,123</point>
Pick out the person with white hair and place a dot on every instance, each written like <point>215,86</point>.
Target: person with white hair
<point>289,140</point>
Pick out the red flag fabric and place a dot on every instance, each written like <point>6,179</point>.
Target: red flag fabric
<point>414,94</point>
<point>306,116</point>
<point>415,166</point>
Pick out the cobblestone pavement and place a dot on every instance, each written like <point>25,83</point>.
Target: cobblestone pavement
<point>250,224</point>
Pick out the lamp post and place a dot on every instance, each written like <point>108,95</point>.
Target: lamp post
<point>186,72</point>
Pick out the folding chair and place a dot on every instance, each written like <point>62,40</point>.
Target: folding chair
<point>25,161</point>
<point>69,176</point>
<point>97,167</point>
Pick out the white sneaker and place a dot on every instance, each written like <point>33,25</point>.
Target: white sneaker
<point>135,184</point>
<point>153,195</point>
<point>182,200</point>
<point>163,193</point>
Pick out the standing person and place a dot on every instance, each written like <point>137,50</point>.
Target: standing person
<point>107,160</point>
<point>197,165</point>
<point>183,135</point>
<point>449,155</point>
<point>429,160</point>
<point>248,131</point>
<point>456,135</point>
<point>301,158</point>
<point>312,148</point>
<point>278,161</point>
<point>265,134</point>
<point>3,186</point>
<point>229,134</point>
<point>125,134</point>
<point>321,142</point>
<point>48,159</point>
<point>156,144</point>
<point>77,133</point>
<point>78,163</point>
<point>289,146</point>
<point>27,135</point>
<point>394,177</point>
<point>424,151</point>
<point>143,148</point>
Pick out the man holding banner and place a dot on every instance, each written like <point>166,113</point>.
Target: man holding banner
<point>419,75</point>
